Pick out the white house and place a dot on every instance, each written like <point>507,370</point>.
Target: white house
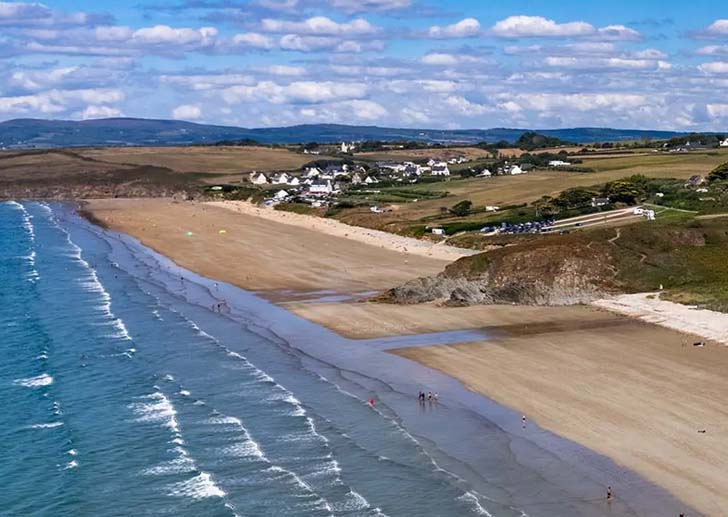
<point>370,180</point>
<point>724,143</point>
<point>599,201</point>
<point>280,195</point>
<point>485,174</point>
<point>440,169</point>
<point>431,162</point>
<point>438,231</point>
<point>356,179</point>
<point>258,178</point>
<point>515,170</point>
<point>294,181</point>
<point>490,208</point>
<point>347,148</point>
<point>559,163</point>
<point>313,172</point>
<point>321,188</point>
<point>281,179</point>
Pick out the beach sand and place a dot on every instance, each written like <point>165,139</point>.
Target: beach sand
<point>635,392</point>
<point>260,254</point>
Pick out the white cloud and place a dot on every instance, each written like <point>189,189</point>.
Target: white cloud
<point>26,14</point>
<point>581,102</point>
<point>540,27</point>
<point>466,28</point>
<point>717,67</point>
<point>285,70</point>
<point>94,111</point>
<point>467,108</point>
<point>204,82</point>
<point>166,35</point>
<point>717,28</point>
<point>187,112</point>
<point>320,26</point>
<point>366,110</point>
<point>717,110</point>
<point>612,63</point>
<point>713,50</point>
<point>303,92</point>
<point>315,43</point>
<point>445,59</point>
<point>41,79</point>
<point>255,40</point>
<point>58,101</point>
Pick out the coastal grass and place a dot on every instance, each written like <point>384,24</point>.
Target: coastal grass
<point>221,160</point>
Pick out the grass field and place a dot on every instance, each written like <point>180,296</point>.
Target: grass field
<point>217,160</point>
<point>507,190</point>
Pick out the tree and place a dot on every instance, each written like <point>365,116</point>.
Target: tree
<point>462,208</point>
<point>574,198</point>
<point>623,191</point>
<point>719,173</point>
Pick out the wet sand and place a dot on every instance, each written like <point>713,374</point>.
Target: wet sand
<point>638,393</point>
<point>623,388</point>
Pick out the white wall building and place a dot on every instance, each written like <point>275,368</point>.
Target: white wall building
<point>258,178</point>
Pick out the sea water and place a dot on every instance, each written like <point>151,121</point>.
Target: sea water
<point>132,387</point>
<point>115,401</point>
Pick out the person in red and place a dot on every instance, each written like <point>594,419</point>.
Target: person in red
<point>371,402</point>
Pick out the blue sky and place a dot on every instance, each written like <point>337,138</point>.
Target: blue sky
<point>407,63</point>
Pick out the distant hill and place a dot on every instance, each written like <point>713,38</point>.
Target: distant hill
<point>38,133</point>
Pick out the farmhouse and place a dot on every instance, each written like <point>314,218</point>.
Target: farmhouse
<point>724,143</point>
<point>440,169</point>
<point>485,174</point>
<point>599,201</point>
<point>258,178</point>
<point>559,163</point>
<point>281,179</point>
<point>515,170</point>
<point>321,188</point>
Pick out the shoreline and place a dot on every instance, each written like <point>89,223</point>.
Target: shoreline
<point>589,472</point>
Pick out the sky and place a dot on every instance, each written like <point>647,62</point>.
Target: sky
<point>641,64</point>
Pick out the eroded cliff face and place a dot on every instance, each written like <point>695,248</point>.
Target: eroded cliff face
<point>528,274</point>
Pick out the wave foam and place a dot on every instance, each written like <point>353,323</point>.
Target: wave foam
<point>49,425</point>
<point>199,487</point>
<point>34,382</point>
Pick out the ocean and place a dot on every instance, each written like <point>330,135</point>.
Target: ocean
<point>131,386</point>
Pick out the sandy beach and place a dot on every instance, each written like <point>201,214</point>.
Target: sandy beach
<point>636,392</point>
<point>264,254</point>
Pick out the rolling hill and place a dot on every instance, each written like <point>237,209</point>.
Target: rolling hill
<point>39,133</point>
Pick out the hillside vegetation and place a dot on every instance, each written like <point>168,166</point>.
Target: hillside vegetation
<point>683,255</point>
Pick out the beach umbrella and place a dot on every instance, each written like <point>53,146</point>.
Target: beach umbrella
<point>189,234</point>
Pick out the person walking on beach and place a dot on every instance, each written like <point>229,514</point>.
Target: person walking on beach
<point>609,493</point>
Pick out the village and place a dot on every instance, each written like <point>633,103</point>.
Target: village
<point>321,185</point>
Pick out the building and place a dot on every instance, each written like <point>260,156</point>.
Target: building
<point>321,188</point>
<point>515,170</point>
<point>440,169</point>
<point>313,172</point>
<point>281,195</point>
<point>281,179</point>
<point>696,180</point>
<point>724,143</point>
<point>371,180</point>
<point>347,148</point>
<point>294,181</point>
<point>258,178</point>
<point>356,179</point>
<point>559,163</point>
<point>485,174</point>
<point>599,201</point>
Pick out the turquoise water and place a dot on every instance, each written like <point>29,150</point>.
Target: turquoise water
<point>125,391</point>
<point>115,401</point>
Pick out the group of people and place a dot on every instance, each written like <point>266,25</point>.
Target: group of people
<point>422,397</point>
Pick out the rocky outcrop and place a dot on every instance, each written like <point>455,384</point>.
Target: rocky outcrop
<point>545,273</point>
